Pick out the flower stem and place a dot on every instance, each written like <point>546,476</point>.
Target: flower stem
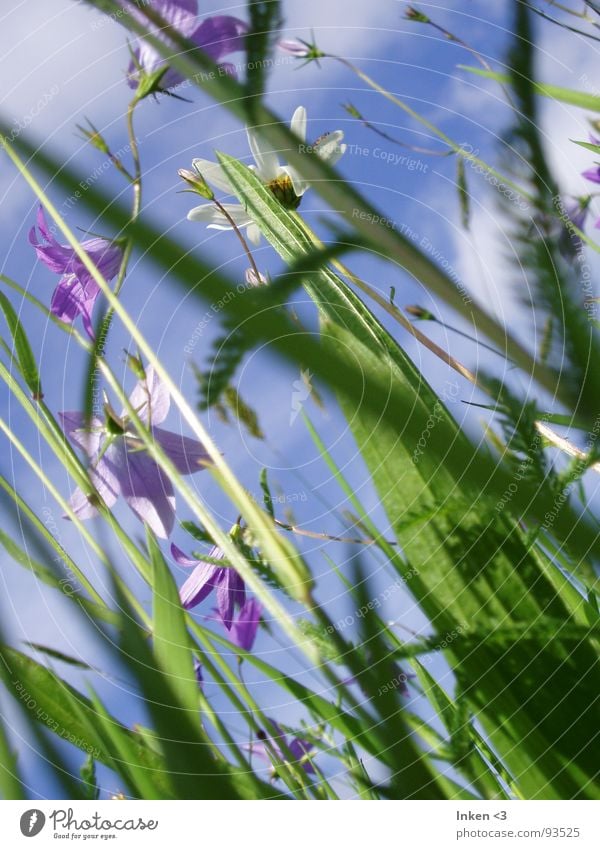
<point>238,233</point>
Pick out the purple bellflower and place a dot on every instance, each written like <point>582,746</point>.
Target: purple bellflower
<point>77,290</point>
<point>217,36</point>
<point>294,47</point>
<point>245,625</point>
<point>120,465</point>
<point>297,748</point>
<point>593,174</point>
<point>230,588</point>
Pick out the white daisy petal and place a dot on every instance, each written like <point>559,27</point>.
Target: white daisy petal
<point>213,174</point>
<point>299,184</point>
<point>336,154</point>
<point>253,234</point>
<point>298,123</point>
<point>205,213</point>
<point>267,161</point>
<point>329,147</point>
<point>238,213</point>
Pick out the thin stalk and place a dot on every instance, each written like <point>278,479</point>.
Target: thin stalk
<point>240,236</point>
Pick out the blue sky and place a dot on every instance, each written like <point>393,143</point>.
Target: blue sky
<point>71,59</point>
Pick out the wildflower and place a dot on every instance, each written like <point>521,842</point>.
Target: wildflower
<point>120,464</point>
<point>593,174</point>
<point>283,180</point>
<point>253,280</point>
<point>77,290</point>
<point>218,36</point>
<point>298,748</point>
<point>207,576</point>
<point>300,49</point>
<point>245,626</point>
<point>294,47</point>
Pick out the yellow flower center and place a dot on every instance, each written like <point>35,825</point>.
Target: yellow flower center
<point>283,190</point>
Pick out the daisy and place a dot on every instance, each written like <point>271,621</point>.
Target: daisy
<point>283,180</point>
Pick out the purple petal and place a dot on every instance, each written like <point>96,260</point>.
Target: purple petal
<point>150,398</point>
<point>43,226</point>
<point>220,35</point>
<point>244,628</point>
<point>56,257</point>
<point>70,299</point>
<point>198,586</point>
<point>104,479</point>
<point>181,558</point>
<point>592,174</point>
<point>181,15</point>
<point>80,505</point>
<point>228,69</point>
<point>203,579</point>
<point>86,435</point>
<point>225,597</point>
<point>104,473</point>
<point>105,255</point>
<point>67,298</point>
<point>298,749</point>
<point>293,47</point>
<point>188,455</point>
<point>147,490</point>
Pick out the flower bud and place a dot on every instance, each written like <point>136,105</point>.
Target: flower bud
<point>413,14</point>
<point>420,313</point>
<point>197,182</point>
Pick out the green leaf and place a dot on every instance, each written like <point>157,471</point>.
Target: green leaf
<point>595,148</point>
<point>470,562</point>
<point>25,357</point>
<point>68,714</point>
<point>172,643</point>
<point>11,785</point>
<point>267,497</point>
<point>88,778</point>
<point>565,95</point>
<point>265,20</point>
<point>463,192</point>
